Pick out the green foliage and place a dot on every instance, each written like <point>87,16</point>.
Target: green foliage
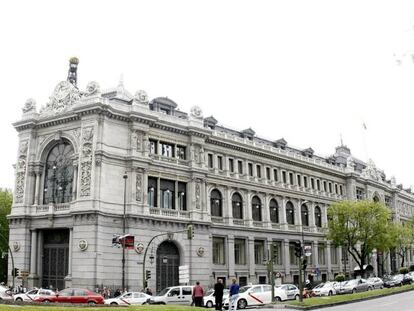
<point>340,278</point>
<point>359,227</point>
<point>403,270</point>
<point>6,199</point>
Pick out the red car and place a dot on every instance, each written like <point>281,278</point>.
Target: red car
<point>73,295</point>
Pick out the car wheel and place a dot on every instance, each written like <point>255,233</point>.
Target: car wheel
<point>242,304</point>
<point>278,299</point>
<point>296,297</point>
<point>46,301</point>
<point>114,303</point>
<point>19,299</point>
<point>354,291</point>
<point>91,303</point>
<point>369,288</point>
<point>209,304</point>
<point>330,293</point>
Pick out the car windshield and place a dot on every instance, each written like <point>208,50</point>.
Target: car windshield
<point>350,282</point>
<point>244,288</point>
<point>319,286</point>
<point>209,292</point>
<point>164,291</point>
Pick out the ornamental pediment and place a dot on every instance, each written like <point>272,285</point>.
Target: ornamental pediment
<point>63,97</point>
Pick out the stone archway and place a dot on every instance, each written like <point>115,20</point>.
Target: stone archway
<point>168,261</point>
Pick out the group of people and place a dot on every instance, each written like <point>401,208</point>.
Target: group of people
<point>198,293</point>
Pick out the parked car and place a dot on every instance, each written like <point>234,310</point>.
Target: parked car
<point>286,292</point>
<point>251,295</point>
<point>129,298</point>
<point>179,295</point>
<point>353,286</point>
<point>411,275</point>
<point>5,293</point>
<point>210,299</point>
<point>73,295</point>
<point>375,282</point>
<point>391,281</point>
<point>32,294</point>
<point>403,279</point>
<point>324,289</point>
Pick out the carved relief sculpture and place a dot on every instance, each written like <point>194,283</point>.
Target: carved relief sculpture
<point>86,162</point>
<point>63,97</point>
<point>21,172</point>
<point>29,106</point>
<point>198,195</point>
<point>136,140</point>
<point>139,187</point>
<point>92,89</point>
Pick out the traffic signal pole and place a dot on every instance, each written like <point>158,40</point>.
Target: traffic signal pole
<point>300,279</point>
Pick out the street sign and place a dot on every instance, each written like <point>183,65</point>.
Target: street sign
<point>24,273</point>
<point>307,249</point>
<point>183,274</point>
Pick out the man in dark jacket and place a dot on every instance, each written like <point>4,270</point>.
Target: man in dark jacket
<point>218,294</point>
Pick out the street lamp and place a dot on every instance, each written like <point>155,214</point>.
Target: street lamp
<point>123,233</point>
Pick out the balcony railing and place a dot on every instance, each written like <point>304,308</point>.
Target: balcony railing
<point>276,226</point>
<point>50,208</point>
<point>258,224</point>
<point>217,219</point>
<point>169,212</point>
<point>238,222</point>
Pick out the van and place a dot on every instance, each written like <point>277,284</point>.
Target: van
<point>179,295</point>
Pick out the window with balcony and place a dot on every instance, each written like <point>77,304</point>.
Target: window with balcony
<point>256,209</point>
<point>237,205</point>
<point>218,251</point>
<point>318,217</point>
<point>321,254</point>
<point>153,146</point>
<point>240,251</point>
<point>293,259</point>
<point>167,191</point>
<point>182,199</point>
<point>152,192</point>
<point>290,213</point>
<point>278,248</point>
<point>274,211</point>
<point>167,150</point>
<point>259,254</point>
<point>304,215</point>
<point>180,152</point>
<point>216,203</point>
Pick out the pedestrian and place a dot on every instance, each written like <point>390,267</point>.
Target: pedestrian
<point>117,292</point>
<point>234,288</point>
<point>198,294</point>
<point>148,291</point>
<point>218,294</point>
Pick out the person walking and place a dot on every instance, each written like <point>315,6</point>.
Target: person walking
<point>218,294</point>
<point>234,288</point>
<point>198,294</point>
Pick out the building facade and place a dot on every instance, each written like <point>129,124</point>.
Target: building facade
<point>239,191</point>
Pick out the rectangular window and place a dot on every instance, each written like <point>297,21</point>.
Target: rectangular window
<point>318,184</point>
<point>153,146</point>
<point>220,162</point>
<point>305,181</point>
<point>210,160</point>
<point>259,252</point>
<point>341,190</point>
<point>250,168</point>
<point>258,171</point>
<point>334,255</point>
<point>291,179</point>
<point>388,201</point>
<point>336,188</point>
<point>218,251</point>
<point>278,257</point>
<point>321,255</point>
<point>167,191</point>
<point>275,174</point>
<point>293,259</point>
<point>310,258</point>
<point>240,167</point>
<point>152,191</point>
<point>312,183</point>
<point>360,194</point>
<point>330,187</point>
<point>180,152</point>
<point>167,150</point>
<point>299,181</point>
<point>267,173</point>
<point>182,198</point>
<point>284,177</point>
<point>324,186</point>
<point>231,165</point>
<point>239,251</point>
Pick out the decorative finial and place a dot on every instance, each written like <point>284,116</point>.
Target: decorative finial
<point>121,80</point>
<point>342,142</point>
<point>73,68</point>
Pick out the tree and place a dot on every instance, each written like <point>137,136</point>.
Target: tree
<point>402,237</point>
<point>359,227</point>
<point>6,199</point>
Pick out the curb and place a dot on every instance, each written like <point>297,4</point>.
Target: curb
<point>342,302</point>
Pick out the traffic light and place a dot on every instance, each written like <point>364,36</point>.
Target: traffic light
<point>274,252</point>
<point>147,274</point>
<point>15,272</point>
<point>298,249</point>
<point>190,232</point>
<point>304,264</point>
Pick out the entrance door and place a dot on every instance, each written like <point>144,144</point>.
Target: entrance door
<point>168,260</point>
<point>55,258</point>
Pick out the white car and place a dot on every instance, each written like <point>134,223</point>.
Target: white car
<point>324,289</point>
<point>210,300</point>
<point>375,282</point>
<point>5,293</point>
<point>251,295</point>
<point>178,295</point>
<point>32,294</point>
<point>286,292</point>
<point>129,298</point>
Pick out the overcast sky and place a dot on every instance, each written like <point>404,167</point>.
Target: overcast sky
<point>307,71</point>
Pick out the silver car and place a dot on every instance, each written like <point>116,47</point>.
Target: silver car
<point>354,286</point>
<point>375,282</point>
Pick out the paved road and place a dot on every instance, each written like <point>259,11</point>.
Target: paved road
<point>399,302</point>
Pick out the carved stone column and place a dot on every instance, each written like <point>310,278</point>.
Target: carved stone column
<point>75,180</point>
<point>250,251</point>
<point>38,174</point>
<point>283,219</point>
<point>68,278</point>
<point>328,259</point>
<point>33,277</point>
<point>230,255</point>
<point>286,256</point>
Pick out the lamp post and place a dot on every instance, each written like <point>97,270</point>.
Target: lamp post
<point>123,233</point>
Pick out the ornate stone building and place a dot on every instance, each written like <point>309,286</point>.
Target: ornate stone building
<point>241,192</point>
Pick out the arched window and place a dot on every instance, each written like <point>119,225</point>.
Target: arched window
<point>318,217</point>
<point>237,205</point>
<point>58,174</point>
<point>256,209</point>
<point>216,203</point>
<point>274,211</point>
<point>304,215</point>
<point>290,213</point>
<point>376,199</point>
